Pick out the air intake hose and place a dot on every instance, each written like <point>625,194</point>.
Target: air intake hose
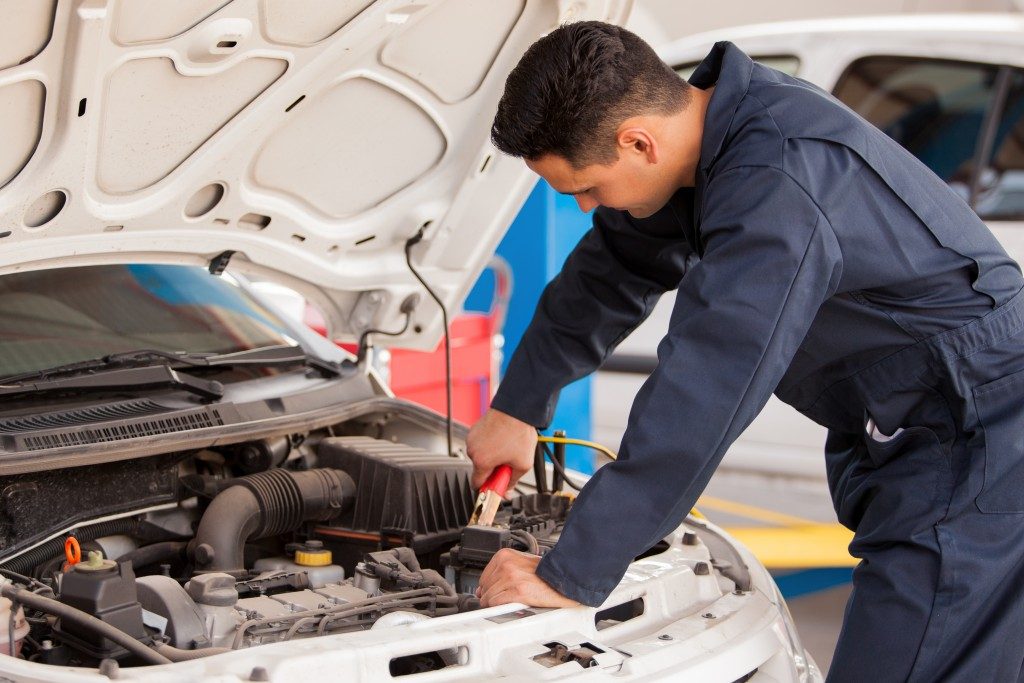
<point>262,505</point>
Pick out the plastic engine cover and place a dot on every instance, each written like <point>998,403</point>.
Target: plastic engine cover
<point>422,498</point>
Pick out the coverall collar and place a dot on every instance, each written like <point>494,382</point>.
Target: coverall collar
<point>728,69</point>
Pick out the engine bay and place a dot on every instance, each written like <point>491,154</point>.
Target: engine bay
<point>188,554</point>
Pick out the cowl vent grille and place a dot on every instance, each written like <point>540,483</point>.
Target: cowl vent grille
<point>179,422</point>
<point>79,416</point>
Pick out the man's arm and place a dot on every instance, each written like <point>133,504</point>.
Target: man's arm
<point>607,286</point>
<point>770,261</point>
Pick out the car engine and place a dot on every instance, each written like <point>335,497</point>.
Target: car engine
<point>292,536</point>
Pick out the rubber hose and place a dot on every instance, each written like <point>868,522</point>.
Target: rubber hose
<point>527,539</point>
<point>154,552</point>
<point>176,654</point>
<point>83,619</point>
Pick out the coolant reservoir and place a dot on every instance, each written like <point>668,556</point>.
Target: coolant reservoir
<point>20,628</point>
<point>310,558</point>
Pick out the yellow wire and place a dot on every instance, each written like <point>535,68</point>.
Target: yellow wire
<point>597,447</point>
<point>579,442</point>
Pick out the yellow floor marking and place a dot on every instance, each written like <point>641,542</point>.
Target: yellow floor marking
<point>752,512</point>
<point>817,545</point>
<point>799,543</point>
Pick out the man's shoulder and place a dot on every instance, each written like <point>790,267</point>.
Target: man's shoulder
<point>794,109</point>
<point>784,123</point>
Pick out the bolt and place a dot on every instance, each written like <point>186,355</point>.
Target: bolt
<point>47,644</point>
<point>259,673</point>
<point>701,569</point>
<point>664,636</point>
<point>250,456</point>
<point>708,615</point>
<point>689,538</point>
<point>204,553</point>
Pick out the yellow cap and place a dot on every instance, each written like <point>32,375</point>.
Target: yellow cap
<point>313,558</point>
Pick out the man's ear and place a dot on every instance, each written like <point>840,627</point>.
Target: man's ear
<point>638,140</point>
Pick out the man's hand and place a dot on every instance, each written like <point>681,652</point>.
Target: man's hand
<point>511,576</point>
<point>500,439</point>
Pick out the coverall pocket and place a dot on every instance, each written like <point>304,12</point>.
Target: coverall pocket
<point>904,440</point>
<point>1000,406</point>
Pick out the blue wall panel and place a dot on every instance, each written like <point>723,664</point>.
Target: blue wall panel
<point>541,237</point>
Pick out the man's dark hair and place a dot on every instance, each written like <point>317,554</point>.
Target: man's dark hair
<point>572,89</point>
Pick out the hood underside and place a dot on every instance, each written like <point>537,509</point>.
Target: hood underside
<point>308,138</point>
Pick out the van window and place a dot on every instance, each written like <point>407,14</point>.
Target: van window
<point>1000,185</point>
<point>934,108</point>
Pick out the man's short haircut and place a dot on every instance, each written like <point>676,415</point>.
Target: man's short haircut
<point>572,89</point>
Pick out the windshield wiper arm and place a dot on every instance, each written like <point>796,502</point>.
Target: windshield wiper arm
<point>130,379</point>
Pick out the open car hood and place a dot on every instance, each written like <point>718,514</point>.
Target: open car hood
<point>300,141</point>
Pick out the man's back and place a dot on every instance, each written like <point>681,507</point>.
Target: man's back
<point>916,260</point>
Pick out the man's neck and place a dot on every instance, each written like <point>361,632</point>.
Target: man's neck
<point>689,125</point>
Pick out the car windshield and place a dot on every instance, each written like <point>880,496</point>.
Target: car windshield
<point>59,316</point>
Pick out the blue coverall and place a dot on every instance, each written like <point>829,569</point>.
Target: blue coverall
<point>818,260</point>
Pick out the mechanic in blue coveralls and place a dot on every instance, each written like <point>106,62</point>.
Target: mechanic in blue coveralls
<point>814,258</point>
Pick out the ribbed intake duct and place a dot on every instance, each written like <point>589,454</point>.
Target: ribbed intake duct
<point>266,504</point>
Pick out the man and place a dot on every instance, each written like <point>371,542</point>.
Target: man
<point>814,258</point>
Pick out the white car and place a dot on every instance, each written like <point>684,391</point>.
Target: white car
<point>948,87</point>
<point>195,488</point>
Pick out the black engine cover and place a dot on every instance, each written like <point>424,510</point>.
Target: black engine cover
<point>404,495</point>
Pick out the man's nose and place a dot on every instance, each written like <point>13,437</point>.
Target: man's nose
<point>585,203</point>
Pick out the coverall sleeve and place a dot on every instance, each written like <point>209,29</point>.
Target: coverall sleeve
<point>770,261</point>
<point>607,286</point>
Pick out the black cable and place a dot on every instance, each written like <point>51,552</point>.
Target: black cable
<point>15,606</point>
<point>362,347</point>
<point>27,580</point>
<point>558,467</point>
<point>409,243</point>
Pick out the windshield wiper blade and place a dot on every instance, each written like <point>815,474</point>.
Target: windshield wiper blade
<point>281,354</point>
<point>120,379</point>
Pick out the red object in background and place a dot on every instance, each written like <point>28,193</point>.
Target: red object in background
<point>419,376</point>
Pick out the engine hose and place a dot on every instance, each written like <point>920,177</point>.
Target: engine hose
<point>527,539</point>
<point>73,615</point>
<point>417,575</point>
<point>265,504</point>
<point>164,551</point>
<point>176,654</point>
<point>48,550</point>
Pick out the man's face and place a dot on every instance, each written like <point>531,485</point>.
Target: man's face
<point>631,183</point>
